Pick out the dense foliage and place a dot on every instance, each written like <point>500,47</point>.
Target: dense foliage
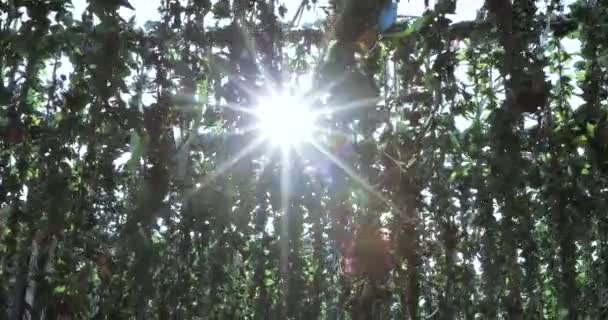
<point>484,165</point>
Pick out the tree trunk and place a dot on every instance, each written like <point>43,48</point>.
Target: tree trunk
<point>567,257</point>
<point>23,266</point>
<point>409,244</point>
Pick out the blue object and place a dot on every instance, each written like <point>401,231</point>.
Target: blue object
<point>388,16</point>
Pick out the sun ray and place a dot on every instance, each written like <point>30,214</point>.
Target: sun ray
<point>236,80</point>
<point>284,236</point>
<point>351,172</point>
<point>252,48</point>
<point>242,131</point>
<point>223,168</point>
<point>238,108</point>
<point>266,161</point>
<point>357,104</point>
<point>318,93</point>
<point>250,91</point>
<point>230,163</point>
<point>333,132</point>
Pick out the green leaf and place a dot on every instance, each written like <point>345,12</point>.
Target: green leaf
<point>418,24</point>
<point>60,289</point>
<point>580,65</point>
<point>454,175</point>
<point>580,140</point>
<point>586,169</point>
<point>413,28</point>
<point>401,127</point>
<point>591,129</point>
<point>454,140</point>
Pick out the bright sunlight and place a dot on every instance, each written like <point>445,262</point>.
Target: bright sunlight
<point>285,121</point>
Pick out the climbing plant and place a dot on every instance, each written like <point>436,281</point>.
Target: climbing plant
<point>457,169</point>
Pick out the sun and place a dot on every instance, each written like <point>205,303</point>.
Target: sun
<point>285,120</point>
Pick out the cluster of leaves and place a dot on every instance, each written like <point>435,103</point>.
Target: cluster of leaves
<point>488,160</point>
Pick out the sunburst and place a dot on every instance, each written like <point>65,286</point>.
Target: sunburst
<point>289,122</point>
<point>286,121</point>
